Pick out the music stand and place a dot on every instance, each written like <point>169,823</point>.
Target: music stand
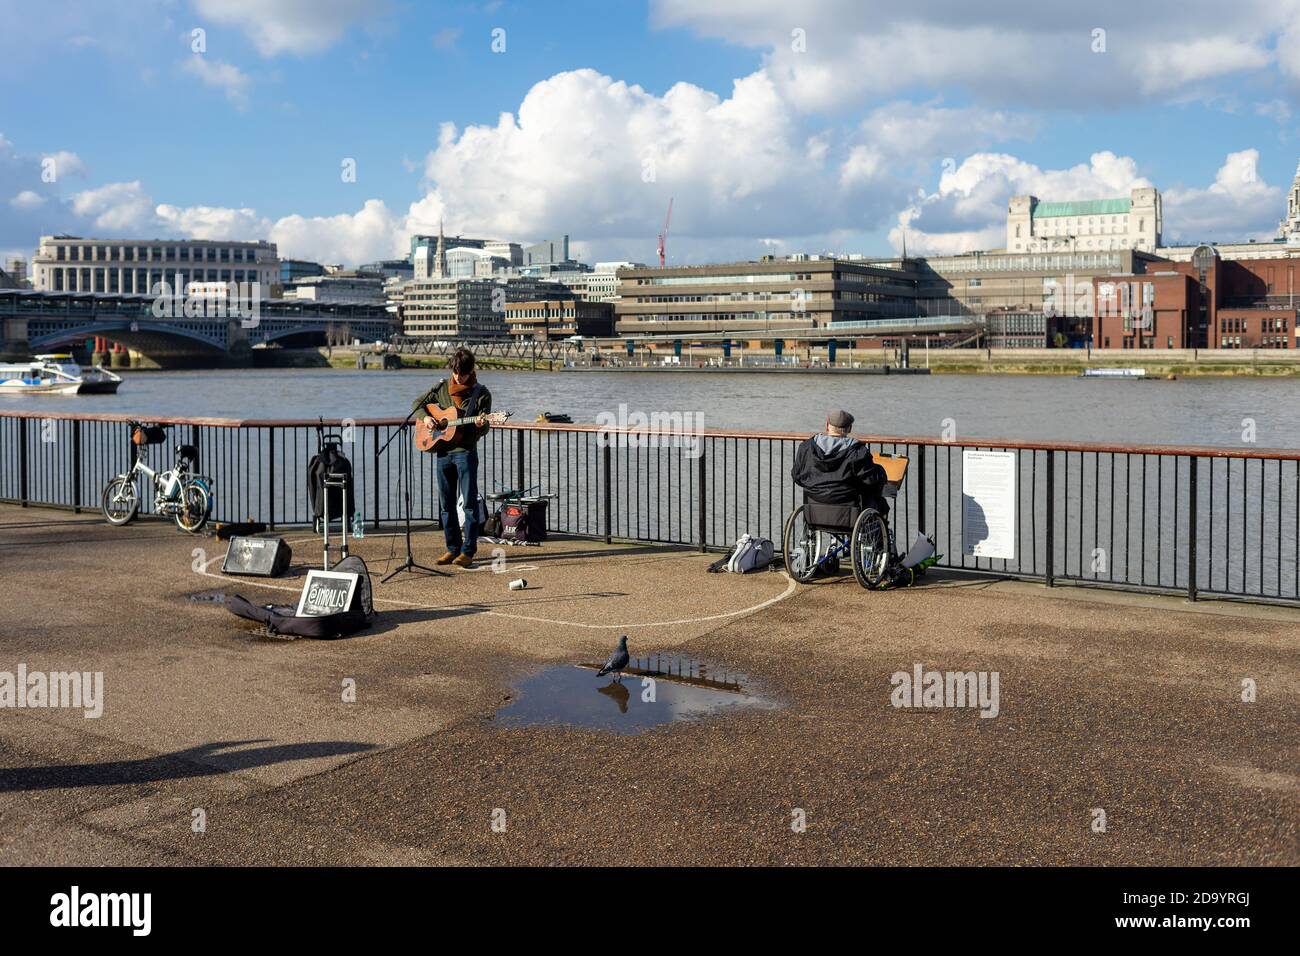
<point>404,474</point>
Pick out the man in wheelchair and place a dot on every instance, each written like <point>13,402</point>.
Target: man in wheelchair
<point>834,468</point>
<point>844,513</point>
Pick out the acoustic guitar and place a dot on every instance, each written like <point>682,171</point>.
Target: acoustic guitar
<point>445,424</point>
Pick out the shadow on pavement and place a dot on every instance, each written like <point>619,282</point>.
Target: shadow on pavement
<point>201,761</point>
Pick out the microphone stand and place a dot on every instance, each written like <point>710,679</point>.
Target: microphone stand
<point>404,474</point>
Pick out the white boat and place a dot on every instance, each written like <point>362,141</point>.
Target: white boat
<point>56,375</point>
<point>1114,373</point>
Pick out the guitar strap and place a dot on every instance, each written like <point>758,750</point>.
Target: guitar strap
<point>471,403</point>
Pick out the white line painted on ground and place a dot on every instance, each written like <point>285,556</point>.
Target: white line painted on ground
<point>789,589</point>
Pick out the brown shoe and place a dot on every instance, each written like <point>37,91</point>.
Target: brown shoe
<point>447,558</point>
<point>464,561</point>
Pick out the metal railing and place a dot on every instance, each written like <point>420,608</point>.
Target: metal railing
<point>1193,520</point>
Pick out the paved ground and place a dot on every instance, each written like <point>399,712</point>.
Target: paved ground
<point>1130,705</point>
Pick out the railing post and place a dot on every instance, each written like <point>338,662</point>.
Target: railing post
<point>22,461</point>
<point>270,478</point>
<point>704,512</point>
<point>1049,576</point>
<point>76,466</point>
<point>519,459</point>
<point>374,454</point>
<point>607,510</point>
<point>920,489</point>
<point>1191,528</point>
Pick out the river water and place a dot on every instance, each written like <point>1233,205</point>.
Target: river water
<point>1202,411</point>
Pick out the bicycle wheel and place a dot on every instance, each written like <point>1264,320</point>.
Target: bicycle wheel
<point>120,501</point>
<point>870,548</point>
<point>799,545</point>
<point>193,512</point>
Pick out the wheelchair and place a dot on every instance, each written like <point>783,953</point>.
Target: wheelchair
<point>818,534</point>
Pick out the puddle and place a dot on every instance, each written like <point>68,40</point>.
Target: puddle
<point>573,695</point>
<point>210,596</point>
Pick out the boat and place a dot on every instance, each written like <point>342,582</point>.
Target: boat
<point>56,375</point>
<point>1114,373</point>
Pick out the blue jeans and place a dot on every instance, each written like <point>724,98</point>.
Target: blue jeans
<point>458,471</point>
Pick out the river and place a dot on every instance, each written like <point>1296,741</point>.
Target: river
<point>1194,410</point>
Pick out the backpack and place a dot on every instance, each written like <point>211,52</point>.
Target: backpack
<point>329,461</point>
<point>522,522</point>
<point>749,554</point>
<point>282,619</point>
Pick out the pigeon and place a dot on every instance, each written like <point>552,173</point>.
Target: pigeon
<point>617,659</point>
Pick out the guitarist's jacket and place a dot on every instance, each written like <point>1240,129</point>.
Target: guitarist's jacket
<point>478,403</point>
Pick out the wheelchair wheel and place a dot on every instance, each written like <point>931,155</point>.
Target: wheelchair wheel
<point>869,548</point>
<point>799,543</point>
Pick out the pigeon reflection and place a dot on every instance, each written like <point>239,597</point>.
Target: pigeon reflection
<point>615,691</point>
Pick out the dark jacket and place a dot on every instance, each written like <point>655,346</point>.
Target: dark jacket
<point>835,469</point>
<point>467,436</point>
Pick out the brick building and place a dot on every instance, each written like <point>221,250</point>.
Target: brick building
<point>1239,303</point>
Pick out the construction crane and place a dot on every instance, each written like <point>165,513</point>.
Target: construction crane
<point>663,236</point>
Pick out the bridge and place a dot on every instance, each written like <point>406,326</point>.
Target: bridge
<point>32,322</point>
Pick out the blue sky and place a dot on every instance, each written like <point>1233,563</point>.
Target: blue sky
<point>832,125</point>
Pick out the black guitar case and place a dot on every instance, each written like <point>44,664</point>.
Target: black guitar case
<point>281,619</point>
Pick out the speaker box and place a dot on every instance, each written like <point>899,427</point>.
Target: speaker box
<point>260,557</point>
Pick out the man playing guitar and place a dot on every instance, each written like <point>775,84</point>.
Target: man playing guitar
<point>457,459</point>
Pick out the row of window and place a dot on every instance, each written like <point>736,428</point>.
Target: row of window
<point>106,280</point>
<point>154,254</point>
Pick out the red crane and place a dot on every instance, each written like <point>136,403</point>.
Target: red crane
<point>663,236</point>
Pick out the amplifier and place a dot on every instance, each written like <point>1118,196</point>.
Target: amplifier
<point>262,557</point>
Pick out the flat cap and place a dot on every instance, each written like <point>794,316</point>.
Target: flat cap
<point>840,419</point>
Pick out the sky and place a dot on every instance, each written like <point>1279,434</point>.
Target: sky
<point>336,128</point>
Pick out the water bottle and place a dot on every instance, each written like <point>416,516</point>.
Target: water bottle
<point>358,526</point>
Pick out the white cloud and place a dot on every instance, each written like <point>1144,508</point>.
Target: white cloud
<point>65,164</point>
<point>291,26</point>
<point>373,232</point>
<point>27,200</point>
<point>117,208</point>
<point>1237,205</point>
<point>590,155</point>
<point>968,210</point>
<point>211,222</point>
<point>1170,67</point>
<point>1028,53</point>
<point>235,83</point>
<point>598,158</point>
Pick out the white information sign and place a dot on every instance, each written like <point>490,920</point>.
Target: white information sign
<point>988,497</point>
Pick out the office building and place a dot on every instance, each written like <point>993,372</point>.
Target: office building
<point>1129,222</point>
<point>16,266</point>
<point>1210,302</point>
<point>389,269</point>
<point>134,266</point>
<point>768,295</point>
<point>547,319</point>
<point>291,269</point>
<point>451,308</point>
<point>547,252</point>
<point>341,288</point>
